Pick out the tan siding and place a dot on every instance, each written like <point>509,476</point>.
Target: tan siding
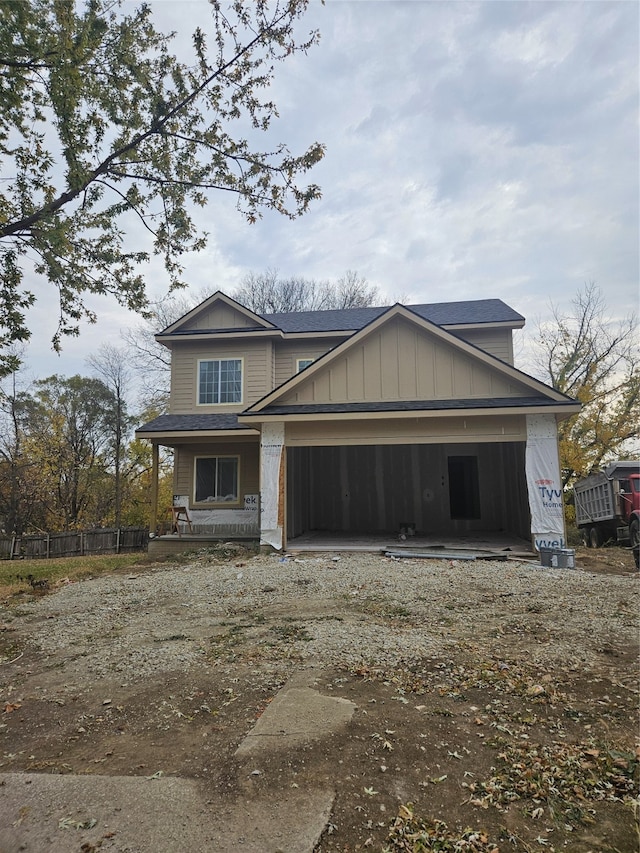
<point>256,378</point>
<point>408,374</point>
<point>249,467</point>
<point>220,316</point>
<point>355,374</point>
<point>372,354</point>
<point>498,342</point>
<point>338,381</point>
<point>425,368</point>
<point>407,430</point>
<point>286,355</point>
<point>400,362</point>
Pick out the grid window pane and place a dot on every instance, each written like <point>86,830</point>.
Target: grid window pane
<point>220,381</point>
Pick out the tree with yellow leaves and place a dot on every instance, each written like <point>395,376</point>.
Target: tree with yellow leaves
<point>596,360</point>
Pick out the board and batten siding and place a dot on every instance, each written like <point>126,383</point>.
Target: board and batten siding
<point>249,477</point>
<point>402,362</point>
<point>257,372</point>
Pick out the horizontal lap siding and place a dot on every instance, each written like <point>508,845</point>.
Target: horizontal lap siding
<point>498,342</point>
<point>256,379</point>
<point>286,356</point>
<point>249,483</point>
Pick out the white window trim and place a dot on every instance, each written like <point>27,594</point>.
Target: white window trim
<point>221,358</point>
<point>217,504</point>
<point>300,360</point>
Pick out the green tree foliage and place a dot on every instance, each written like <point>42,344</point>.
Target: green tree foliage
<point>106,135</point>
<point>597,361</point>
<point>19,503</point>
<point>67,433</point>
<point>67,455</point>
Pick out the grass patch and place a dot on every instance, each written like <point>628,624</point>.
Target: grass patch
<point>14,574</point>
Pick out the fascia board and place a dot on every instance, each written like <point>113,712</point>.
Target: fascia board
<point>337,333</point>
<point>195,435</point>
<point>502,324</point>
<point>566,411</point>
<point>225,334</point>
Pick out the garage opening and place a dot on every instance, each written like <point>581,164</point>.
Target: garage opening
<point>377,489</point>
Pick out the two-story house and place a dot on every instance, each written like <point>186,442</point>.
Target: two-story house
<point>361,420</point>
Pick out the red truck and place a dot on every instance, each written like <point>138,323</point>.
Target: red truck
<point>608,505</point>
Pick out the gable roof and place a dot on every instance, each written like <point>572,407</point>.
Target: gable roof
<point>474,312</point>
<point>258,322</point>
<point>275,402</point>
<point>479,312</point>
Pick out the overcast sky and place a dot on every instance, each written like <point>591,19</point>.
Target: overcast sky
<point>474,150</point>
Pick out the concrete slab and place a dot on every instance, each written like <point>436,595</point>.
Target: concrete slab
<point>297,715</point>
<point>320,541</point>
<point>46,813</point>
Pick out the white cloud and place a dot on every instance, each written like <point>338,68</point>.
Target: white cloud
<point>473,150</point>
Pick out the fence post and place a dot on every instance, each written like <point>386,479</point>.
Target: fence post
<point>81,544</point>
<point>118,541</point>
<point>48,545</point>
<point>13,545</point>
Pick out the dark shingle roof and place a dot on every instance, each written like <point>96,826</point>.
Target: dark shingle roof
<point>412,405</point>
<point>191,423</point>
<point>441,313</point>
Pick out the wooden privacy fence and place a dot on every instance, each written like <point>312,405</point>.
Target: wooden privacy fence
<point>74,543</point>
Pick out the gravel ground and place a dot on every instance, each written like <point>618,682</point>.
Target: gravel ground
<point>461,672</point>
<point>137,625</point>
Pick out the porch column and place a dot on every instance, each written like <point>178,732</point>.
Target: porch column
<point>544,484</point>
<point>155,465</point>
<point>272,485</point>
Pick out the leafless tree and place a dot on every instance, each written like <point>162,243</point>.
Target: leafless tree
<point>268,293</point>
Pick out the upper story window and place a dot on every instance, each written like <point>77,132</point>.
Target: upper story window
<point>220,381</point>
<point>301,363</point>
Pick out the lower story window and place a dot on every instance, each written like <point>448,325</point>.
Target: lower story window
<point>216,479</point>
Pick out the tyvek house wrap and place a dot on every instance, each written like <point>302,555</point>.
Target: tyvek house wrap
<point>543,482</point>
<point>271,458</point>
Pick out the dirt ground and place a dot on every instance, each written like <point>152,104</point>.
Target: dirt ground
<point>479,750</point>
